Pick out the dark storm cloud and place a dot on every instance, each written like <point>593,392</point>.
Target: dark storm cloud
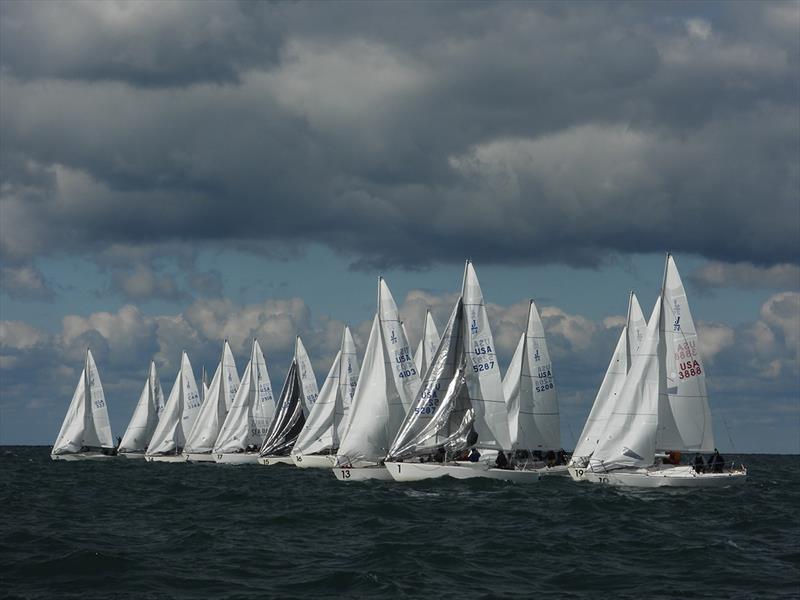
<point>403,133</point>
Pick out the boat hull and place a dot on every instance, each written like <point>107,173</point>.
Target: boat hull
<point>239,458</point>
<point>577,473</point>
<point>422,471</point>
<point>680,476</point>
<point>82,456</point>
<point>132,455</point>
<point>167,458</point>
<point>275,460</point>
<point>313,461</point>
<point>361,473</point>
<point>199,457</point>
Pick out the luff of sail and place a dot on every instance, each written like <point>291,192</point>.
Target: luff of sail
<point>252,409</point>
<point>386,387</point>
<point>145,416</point>
<point>628,344</point>
<point>219,397</point>
<point>86,423</point>
<point>179,413</point>
<point>530,391</point>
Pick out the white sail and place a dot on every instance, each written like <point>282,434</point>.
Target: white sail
<point>86,422</point>
<point>145,416</point>
<point>427,345</point>
<point>530,391</point>
<point>203,385</point>
<point>628,344</point>
<point>684,417</point>
<point>218,398</point>
<point>252,409</point>
<point>630,432</point>
<point>179,413</point>
<point>483,370</point>
<point>386,387</point>
<point>305,372</point>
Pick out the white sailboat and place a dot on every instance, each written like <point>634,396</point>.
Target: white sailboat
<point>219,397</point>
<point>460,403</point>
<point>85,432</point>
<point>327,421</point>
<point>532,400</point>
<point>145,417</point>
<point>386,389</point>
<point>662,408</point>
<point>177,418</point>
<point>242,434</point>
<point>427,344</point>
<point>630,340</point>
<point>296,401</point>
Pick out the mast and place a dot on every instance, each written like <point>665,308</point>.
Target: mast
<point>464,278</point>
<point>87,405</point>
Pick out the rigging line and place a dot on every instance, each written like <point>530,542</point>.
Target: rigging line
<point>730,438</point>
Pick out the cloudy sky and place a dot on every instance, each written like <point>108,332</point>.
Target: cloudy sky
<point>172,174</point>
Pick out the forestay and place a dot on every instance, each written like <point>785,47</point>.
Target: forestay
<point>331,410</point>
<point>427,344</point>
<point>86,422</point>
<point>386,387</point>
<point>628,344</point>
<point>530,391</point>
<point>179,413</point>
<point>219,397</point>
<point>252,409</point>
<point>145,416</point>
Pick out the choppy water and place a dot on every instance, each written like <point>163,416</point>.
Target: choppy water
<point>129,529</point>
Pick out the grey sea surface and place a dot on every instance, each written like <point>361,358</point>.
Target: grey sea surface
<point>124,529</point>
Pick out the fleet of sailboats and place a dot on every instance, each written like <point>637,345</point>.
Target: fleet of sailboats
<point>441,411</point>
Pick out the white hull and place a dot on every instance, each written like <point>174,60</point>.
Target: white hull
<point>313,461</point>
<point>361,473</point>
<point>170,458</point>
<point>462,470</point>
<point>82,456</point>
<point>138,455</point>
<point>679,476</point>
<point>239,458</point>
<point>200,457</point>
<point>577,473</point>
<point>275,460</point>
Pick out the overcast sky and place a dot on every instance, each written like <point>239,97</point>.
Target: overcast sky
<point>176,173</point>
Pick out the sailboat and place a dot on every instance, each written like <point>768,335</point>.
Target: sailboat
<point>327,420</point>
<point>385,391</point>
<point>630,339</point>
<point>460,403</point>
<point>218,399</point>
<point>177,419</point>
<point>85,432</point>
<point>427,345</point>
<point>662,408</point>
<point>532,400</point>
<point>145,417</point>
<point>296,401</point>
<point>243,432</point>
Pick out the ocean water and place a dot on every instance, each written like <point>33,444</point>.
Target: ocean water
<point>129,529</point>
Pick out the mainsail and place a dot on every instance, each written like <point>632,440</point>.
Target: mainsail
<point>290,413</point>
<point>386,387</point>
<point>628,344</point>
<point>179,413</point>
<point>145,416</point>
<point>427,345</point>
<point>86,422</point>
<point>252,409</point>
<point>530,391</point>
<point>330,414</point>
<point>218,398</point>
